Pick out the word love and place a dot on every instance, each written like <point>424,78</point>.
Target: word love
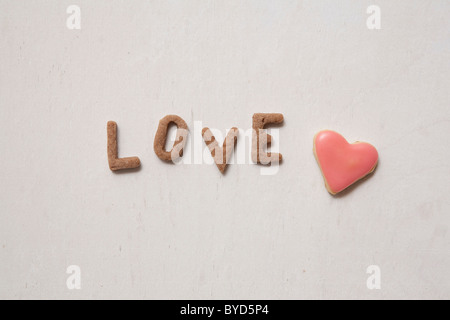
<point>342,164</point>
<point>220,153</point>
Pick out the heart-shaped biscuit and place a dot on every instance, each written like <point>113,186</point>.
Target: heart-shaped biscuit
<point>343,164</point>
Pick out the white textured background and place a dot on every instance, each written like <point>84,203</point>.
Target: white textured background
<point>184,231</point>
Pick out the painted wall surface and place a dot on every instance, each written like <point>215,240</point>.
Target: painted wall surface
<point>185,231</point>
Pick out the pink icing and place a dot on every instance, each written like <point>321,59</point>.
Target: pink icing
<point>343,164</point>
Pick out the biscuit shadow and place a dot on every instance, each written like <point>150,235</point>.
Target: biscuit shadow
<point>170,163</point>
<point>127,171</point>
<point>227,168</point>
<point>275,125</point>
<point>350,189</point>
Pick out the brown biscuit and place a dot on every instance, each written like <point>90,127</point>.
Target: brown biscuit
<point>113,153</point>
<point>161,137</point>
<point>221,155</point>
<point>260,139</point>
